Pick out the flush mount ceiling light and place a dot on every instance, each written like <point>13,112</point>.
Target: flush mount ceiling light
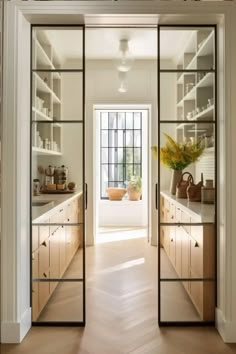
<point>124,60</point>
<point>123,85</point>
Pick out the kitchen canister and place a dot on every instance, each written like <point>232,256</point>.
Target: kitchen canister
<point>208,192</point>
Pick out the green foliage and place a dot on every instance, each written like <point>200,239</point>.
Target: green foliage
<point>135,183</point>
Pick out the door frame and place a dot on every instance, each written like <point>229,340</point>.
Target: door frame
<point>15,308</point>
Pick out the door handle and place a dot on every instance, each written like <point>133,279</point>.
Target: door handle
<point>86,196</point>
<point>156,196</point>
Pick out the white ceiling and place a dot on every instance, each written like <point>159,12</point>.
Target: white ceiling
<point>103,43</point>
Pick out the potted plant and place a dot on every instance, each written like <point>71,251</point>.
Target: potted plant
<point>177,156</point>
<point>134,188</point>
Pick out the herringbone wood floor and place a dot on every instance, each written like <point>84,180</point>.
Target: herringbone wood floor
<point>121,311</point>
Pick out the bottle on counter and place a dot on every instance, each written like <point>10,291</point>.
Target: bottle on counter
<point>36,187</point>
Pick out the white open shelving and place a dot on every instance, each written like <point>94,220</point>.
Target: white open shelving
<point>46,103</point>
<point>195,90</point>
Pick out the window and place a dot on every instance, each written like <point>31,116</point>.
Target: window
<point>121,148</point>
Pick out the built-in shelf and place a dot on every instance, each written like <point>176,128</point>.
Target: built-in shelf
<point>41,115</point>
<point>41,151</point>
<point>43,87</point>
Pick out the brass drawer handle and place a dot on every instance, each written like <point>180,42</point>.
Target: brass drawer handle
<point>196,245</point>
<point>44,244</point>
<point>60,210</point>
<point>45,275</point>
<point>171,240</point>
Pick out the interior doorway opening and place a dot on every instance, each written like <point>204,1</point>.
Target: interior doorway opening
<point>121,151</point>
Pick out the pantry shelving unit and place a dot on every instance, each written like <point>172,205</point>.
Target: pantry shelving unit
<point>195,88</point>
<point>46,97</point>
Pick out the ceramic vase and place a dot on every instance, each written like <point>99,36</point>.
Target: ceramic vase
<point>175,178</point>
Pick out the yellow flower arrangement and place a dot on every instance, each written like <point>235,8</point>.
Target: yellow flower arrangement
<point>178,156</point>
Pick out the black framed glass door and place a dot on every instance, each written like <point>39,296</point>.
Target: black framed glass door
<point>57,173</point>
<point>187,85</point>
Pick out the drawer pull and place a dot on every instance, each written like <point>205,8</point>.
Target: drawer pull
<point>68,219</point>
<point>45,275</point>
<point>172,217</point>
<point>196,244</point>
<point>44,244</point>
<point>171,240</point>
<point>60,210</point>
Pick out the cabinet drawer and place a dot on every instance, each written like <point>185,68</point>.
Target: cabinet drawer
<point>44,258</point>
<point>172,212</point>
<point>178,214</point>
<point>54,220</point>
<point>35,238</point>
<point>172,244</point>
<point>185,255</point>
<point>197,233</point>
<point>196,258</point>
<point>166,203</point>
<point>185,218</point>
<point>43,232</point>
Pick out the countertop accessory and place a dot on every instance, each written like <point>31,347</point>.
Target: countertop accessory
<point>36,186</point>
<point>194,191</point>
<point>182,185</point>
<point>208,192</point>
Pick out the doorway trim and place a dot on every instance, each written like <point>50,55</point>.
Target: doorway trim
<point>148,124</point>
<point>15,307</point>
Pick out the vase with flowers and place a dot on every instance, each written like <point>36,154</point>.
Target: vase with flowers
<point>177,156</point>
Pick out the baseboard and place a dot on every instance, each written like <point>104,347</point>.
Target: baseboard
<point>227,329</point>
<point>14,332</point>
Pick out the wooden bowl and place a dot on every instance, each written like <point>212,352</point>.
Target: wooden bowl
<point>116,193</point>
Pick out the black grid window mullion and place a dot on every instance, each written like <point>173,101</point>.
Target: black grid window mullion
<point>114,149</point>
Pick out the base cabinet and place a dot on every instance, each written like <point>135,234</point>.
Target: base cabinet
<point>54,248</point>
<point>190,249</point>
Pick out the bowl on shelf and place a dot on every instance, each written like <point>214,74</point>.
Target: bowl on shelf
<point>115,193</point>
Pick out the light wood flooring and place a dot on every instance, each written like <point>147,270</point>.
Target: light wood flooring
<point>121,308</point>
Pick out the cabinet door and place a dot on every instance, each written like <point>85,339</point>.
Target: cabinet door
<point>43,232</point>
<point>35,286</point>
<point>185,250</point>
<point>44,288</point>
<point>196,271</point>
<point>62,250</point>
<point>44,291</point>
<point>35,238</point>
<point>178,249</point>
<point>54,258</point>
<point>172,244</point>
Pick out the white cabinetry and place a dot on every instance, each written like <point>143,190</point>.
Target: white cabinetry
<point>46,97</point>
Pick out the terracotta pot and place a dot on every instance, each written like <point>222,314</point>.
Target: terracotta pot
<point>175,178</point>
<point>133,194</point>
<point>115,193</point>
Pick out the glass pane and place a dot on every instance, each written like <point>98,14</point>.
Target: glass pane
<point>129,138</point>
<point>181,304</point>
<point>137,120</point>
<point>129,155</point>
<point>187,96</point>
<point>112,121</point>
<point>121,120</point>
<point>194,48</point>
<point>112,173</point>
<point>104,155</point>
<point>57,96</point>
<point>57,48</point>
<point>129,120</point>
<point>129,172</point>
<point>120,155</point>
<point>104,138</point>
<point>104,120</point>
<point>137,170</point>
<point>113,155</point>
<point>120,172</point>
<point>193,155</point>
<point>57,172</point>
<point>112,138</point>
<point>137,138</point>
<point>52,305</point>
<point>104,180</point>
<point>120,138</point>
<point>137,155</point>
